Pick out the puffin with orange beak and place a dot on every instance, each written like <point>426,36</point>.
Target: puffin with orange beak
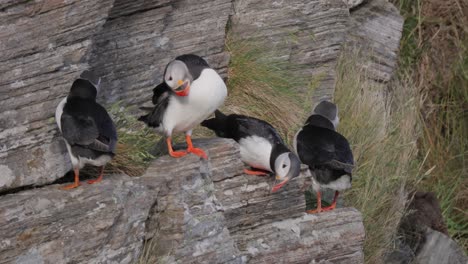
<point>261,147</point>
<point>191,91</point>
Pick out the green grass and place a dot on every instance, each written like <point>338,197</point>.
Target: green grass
<point>266,88</point>
<point>385,151</point>
<point>136,143</point>
<point>434,52</point>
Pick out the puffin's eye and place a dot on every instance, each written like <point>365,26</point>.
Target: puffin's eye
<point>284,166</point>
<point>170,78</point>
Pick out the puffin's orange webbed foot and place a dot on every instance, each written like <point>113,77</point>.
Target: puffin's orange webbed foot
<point>319,205</point>
<point>76,183</point>
<point>71,186</point>
<point>177,154</point>
<point>255,172</point>
<point>198,151</point>
<point>172,153</point>
<point>316,211</point>
<point>98,179</point>
<point>329,208</point>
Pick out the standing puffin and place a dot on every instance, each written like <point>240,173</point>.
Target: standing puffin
<point>88,131</point>
<point>191,91</point>
<point>326,152</point>
<point>261,147</point>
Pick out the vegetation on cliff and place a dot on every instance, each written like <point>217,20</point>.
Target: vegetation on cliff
<point>434,53</point>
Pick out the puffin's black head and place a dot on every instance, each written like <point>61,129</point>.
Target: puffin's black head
<point>83,89</point>
<point>178,77</point>
<point>287,166</point>
<point>328,110</point>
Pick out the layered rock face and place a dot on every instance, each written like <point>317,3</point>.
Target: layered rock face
<point>189,210</point>
<point>46,44</point>
<point>141,37</point>
<point>308,34</point>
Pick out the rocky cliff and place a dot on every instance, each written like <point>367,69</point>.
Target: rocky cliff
<point>188,210</point>
<point>46,44</point>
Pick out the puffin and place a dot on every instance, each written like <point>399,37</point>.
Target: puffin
<point>326,152</point>
<point>261,147</point>
<point>87,129</point>
<point>191,91</point>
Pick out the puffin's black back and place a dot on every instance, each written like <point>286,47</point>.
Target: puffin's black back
<point>239,126</point>
<point>161,94</point>
<point>85,124</point>
<point>325,151</point>
<point>195,64</point>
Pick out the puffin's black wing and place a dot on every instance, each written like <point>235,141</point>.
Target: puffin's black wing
<point>195,64</point>
<point>318,146</point>
<point>161,96</point>
<point>240,126</point>
<point>244,126</point>
<point>87,124</point>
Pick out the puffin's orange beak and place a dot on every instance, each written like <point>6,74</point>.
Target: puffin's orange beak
<point>183,88</point>
<point>279,185</point>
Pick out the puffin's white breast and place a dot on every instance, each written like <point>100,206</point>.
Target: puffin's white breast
<point>342,183</point>
<point>256,152</point>
<point>207,93</point>
<point>59,112</point>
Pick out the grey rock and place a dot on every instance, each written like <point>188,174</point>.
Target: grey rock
<point>101,223</point>
<point>439,248</point>
<point>188,210</point>
<point>188,224</point>
<point>375,30</point>
<point>401,253</point>
<point>45,45</point>
<point>213,213</point>
<point>306,33</point>
<point>141,37</point>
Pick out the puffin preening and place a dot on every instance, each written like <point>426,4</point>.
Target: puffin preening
<point>326,152</point>
<point>191,91</point>
<point>261,147</point>
<point>88,131</point>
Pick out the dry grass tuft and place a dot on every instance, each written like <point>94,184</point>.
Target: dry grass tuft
<point>136,143</point>
<point>264,88</point>
<point>383,138</point>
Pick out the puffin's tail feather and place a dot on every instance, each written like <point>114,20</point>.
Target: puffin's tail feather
<point>220,115</point>
<point>218,124</point>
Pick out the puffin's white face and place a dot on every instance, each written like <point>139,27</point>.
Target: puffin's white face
<point>282,166</point>
<point>178,77</point>
<point>287,166</point>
